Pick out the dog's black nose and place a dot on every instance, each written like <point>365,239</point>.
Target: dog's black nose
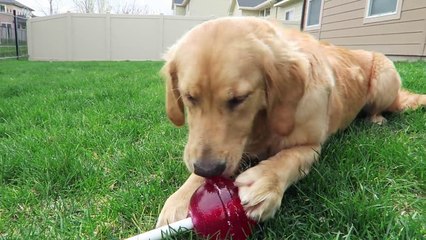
<point>209,169</point>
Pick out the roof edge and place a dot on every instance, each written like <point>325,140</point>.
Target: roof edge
<point>17,4</point>
<point>258,7</point>
<point>183,4</point>
<point>281,3</point>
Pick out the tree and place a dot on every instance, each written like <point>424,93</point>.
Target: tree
<point>92,6</point>
<point>50,7</point>
<point>103,6</point>
<point>85,6</point>
<point>53,7</point>
<point>133,8</point>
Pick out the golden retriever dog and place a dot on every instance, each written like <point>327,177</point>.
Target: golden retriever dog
<point>250,87</point>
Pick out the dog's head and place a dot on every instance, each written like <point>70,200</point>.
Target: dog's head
<point>223,74</point>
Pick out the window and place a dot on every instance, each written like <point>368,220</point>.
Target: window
<point>265,12</point>
<point>382,10</point>
<point>314,13</point>
<point>382,7</point>
<point>6,29</point>
<point>6,25</point>
<point>2,8</point>
<point>289,15</point>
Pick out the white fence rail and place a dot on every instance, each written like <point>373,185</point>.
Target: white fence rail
<point>86,37</point>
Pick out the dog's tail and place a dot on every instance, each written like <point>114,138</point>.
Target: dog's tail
<point>407,100</point>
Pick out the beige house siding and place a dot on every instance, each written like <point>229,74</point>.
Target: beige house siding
<point>243,12</point>
<point>252,13</point>
<point>315,33</point>
<point>343,23</point>
<point>180,11</point>
<point>278,12</point>
<point>237,12</point>
<point>217,8</point>
<point>296,5</point>
<point>424,50</point>
<point>248,13</point>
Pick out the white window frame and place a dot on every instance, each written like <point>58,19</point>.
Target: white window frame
<point>288,11</point>
<point>4,7</point>
<point>316,26</point>
<point>384,16</point>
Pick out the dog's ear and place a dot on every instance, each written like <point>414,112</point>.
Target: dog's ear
<point>174,104</point>
<point>285,85</point>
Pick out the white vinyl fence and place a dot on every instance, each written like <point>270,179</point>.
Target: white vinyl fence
<point>85,37</point>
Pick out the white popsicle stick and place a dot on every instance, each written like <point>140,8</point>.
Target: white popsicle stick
<point>167,230</point>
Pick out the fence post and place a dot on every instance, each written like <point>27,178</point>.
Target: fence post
<point>29,38</point>
<point>70,37</point>
<point>15,23</point>
<point>108,36</point>
<point>161,35</point>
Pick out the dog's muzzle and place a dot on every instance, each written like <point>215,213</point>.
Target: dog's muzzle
<point>209,169</point>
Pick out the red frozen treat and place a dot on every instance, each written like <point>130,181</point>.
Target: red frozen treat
<point>216,211</point>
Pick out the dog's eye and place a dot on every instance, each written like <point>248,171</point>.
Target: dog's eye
<point>191,99</point>
<point>235,101</point>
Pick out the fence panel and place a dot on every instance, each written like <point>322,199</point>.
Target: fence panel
<point>175,26</point>
<point>135,38</point>
<point>99,37</point>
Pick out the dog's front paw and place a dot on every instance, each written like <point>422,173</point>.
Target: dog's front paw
<point>175,209</point>
<point>260,191</point>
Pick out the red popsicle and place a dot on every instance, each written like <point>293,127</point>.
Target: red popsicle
<point>215,211</point>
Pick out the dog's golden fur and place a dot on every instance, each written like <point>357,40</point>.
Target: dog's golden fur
<point>251,87</point>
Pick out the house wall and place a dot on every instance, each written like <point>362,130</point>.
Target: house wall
<point>6,18</point>
<point>216,8</point>
<point>19,11</point>
<point>343,24</point>
<point>250,13</point>
<point>180,11</point>
<point>279,13</point>
<point>85,37</point>
<point>237,12</point>
<point>296,5</point>
<point>243,12</point>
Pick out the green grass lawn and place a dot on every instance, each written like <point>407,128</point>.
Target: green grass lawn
<point>86,152</point>
<point>9,51</point>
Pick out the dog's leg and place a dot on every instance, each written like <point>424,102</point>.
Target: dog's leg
<point>386,94</point>
<point>407,100</point>
<point>378,119</point>
<point>384,86</point>
<point>176,206</point>
<point>261,188</point>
